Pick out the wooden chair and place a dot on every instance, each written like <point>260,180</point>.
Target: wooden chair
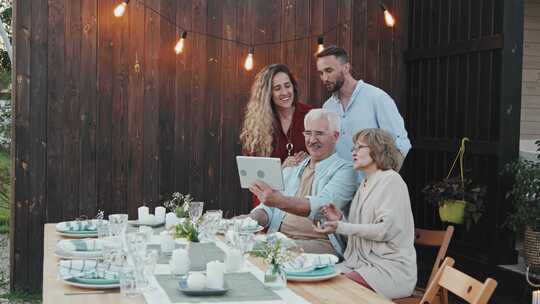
<point>460,284</point>
<point>432,238</point>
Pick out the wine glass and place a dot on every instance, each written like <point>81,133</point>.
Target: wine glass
<point>195,211</point>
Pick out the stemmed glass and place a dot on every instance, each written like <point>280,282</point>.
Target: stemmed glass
<point>195,211</point>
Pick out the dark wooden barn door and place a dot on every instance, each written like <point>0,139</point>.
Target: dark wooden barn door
<point>464,80</point>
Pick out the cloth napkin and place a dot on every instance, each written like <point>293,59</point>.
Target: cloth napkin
<point>78,226</point>
<point>80,245</point>
<point>87,269</point>
<point>307,262</point>
<point>314,273</point>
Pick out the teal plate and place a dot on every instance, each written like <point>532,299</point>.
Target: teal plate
<point>91,281</point>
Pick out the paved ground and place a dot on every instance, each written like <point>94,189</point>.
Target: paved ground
<point>4,274</point>
<point>4,262</point>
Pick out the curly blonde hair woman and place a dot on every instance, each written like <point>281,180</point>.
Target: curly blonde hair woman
<point>273,122</point>
<point>274,119</point>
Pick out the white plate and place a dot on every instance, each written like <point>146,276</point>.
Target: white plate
<point>77,235</point>
<point>92,286</point>
<point>312,279</point>
<point>136,223</point>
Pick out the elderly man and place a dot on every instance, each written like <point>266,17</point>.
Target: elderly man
<point>321,178</point>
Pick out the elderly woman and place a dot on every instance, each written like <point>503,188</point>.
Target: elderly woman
<point>274,119</point>
<point>380,251</point>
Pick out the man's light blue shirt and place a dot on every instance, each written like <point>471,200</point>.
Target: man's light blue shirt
<point>369,107</point>
<point>334,182</point>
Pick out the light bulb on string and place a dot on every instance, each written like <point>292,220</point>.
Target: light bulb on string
<point>320,42</point>
<point>121,9</point>
<point>179,47</point>
<point>248,65</point>
<point>388,18</point>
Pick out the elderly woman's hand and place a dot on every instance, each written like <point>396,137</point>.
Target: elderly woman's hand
<point>331,213</point>
<point>295,159</point>
<point>326,228</point>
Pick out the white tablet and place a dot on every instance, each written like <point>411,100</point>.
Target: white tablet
<point>266,169</point>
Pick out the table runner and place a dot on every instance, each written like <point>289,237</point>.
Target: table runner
<point>159,295</point>
<point>163,258</point>
<point>199,254</point>
<point>242,287</point>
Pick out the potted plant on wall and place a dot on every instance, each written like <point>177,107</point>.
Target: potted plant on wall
<point>458,199</point>
<point>525,214</point>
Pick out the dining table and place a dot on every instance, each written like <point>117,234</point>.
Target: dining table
<point>339,289</point>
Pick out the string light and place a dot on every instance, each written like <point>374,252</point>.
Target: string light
<point>120,9</point>
<point>388,18</point>
<point>179,47</point>
<point>248,65</point>
<point>320,41</point>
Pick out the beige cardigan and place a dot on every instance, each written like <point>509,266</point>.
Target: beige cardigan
<point>381,235</point>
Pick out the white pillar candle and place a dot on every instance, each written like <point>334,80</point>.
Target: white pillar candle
<point>149,220</point>
<point>180,261</point>
<point>536,297</point>
<point>142,212</point>
<point>166,242</point>
<point>196,281</point>
<point>160,214</point>
<point>214,274</point>
<point>234,260</point>
<point>170,220</point>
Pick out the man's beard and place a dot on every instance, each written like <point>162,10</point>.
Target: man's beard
<point>337,86</point>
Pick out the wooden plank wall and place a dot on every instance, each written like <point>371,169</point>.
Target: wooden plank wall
<point>530,94</point>
<point>464,67</point>
<point>107,117</point>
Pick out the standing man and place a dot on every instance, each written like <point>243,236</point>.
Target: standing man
<point>360,105</point>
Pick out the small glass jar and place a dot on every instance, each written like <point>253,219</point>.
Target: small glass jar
<point>275,277</point>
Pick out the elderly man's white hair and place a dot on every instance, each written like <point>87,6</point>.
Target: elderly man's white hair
<point>334,122</point>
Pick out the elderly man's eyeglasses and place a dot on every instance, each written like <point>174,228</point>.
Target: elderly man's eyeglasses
<point>358,147</point>
<point>316,134</point>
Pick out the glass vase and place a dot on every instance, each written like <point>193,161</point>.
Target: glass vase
<point>275,277</point>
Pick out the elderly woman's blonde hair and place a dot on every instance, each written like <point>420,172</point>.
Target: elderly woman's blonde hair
<point>382,148</point>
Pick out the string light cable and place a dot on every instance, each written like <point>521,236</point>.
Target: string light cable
<point>121,8</point>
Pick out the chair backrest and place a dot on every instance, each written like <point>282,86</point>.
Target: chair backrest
<point>460,284</point>
<point>434,238</point>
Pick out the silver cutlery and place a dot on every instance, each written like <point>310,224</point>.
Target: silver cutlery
<point>75,293</point>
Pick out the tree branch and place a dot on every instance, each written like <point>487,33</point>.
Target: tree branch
<point>5,39</point>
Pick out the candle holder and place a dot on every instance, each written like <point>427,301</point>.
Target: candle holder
<point>535,293</point>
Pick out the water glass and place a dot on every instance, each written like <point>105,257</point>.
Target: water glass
<point>113,253</point>
<point>128,281</point>
<point>136,246</point>
<point>214,217</point>
<point>145,270</point>
<point>195,210</point>
<point>103,230</point>
<point>118,223</point>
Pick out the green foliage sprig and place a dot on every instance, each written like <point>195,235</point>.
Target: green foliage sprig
<point>187,230</point>
<point>179,204</point>
<point>273,252</point>
<point>524,194</point>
